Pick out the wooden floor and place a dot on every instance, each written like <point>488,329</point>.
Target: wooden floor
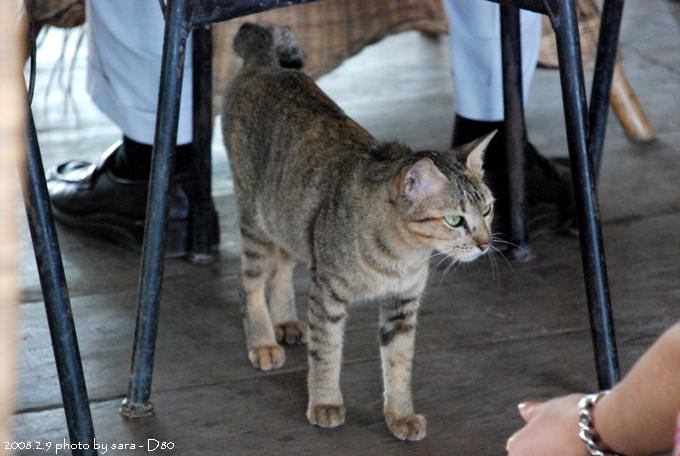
<point>491,334</point>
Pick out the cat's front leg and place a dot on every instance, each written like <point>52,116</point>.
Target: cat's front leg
<point>398,319</point>
<point>326,330</point>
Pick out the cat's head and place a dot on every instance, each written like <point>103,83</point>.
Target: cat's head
<point>444,203</point>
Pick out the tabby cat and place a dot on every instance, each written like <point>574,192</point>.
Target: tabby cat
<point>312,185</point>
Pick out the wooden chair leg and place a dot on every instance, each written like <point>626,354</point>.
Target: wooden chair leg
<point>628,110</point>
<point>624,102</point>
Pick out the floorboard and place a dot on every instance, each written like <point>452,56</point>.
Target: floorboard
<point>491,334</point>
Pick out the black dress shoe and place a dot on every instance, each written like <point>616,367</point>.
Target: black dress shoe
<point>550,193</point>
<point>92,199</point>
<point>550,207</point>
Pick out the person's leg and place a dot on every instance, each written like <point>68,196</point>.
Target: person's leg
<point>108,198</point>
<point>475,49</point>
<point>125,44</point>
<point>124,62</point>
<point>477,75</point>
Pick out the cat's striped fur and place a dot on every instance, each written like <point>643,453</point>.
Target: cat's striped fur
<point>314,186</point>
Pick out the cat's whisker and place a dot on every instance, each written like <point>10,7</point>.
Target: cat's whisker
<point>496,239</point>
<point>432,256</point>
<point>434,268</point>
<point>497,251</point>
<point>495,273</point>
<point>446,254</point>
<point>454,262</point>
<point>430,275</point>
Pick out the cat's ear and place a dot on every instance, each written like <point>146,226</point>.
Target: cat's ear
<point>420,180</point>
<point>472,153</point>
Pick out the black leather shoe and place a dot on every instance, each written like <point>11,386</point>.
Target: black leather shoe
<point>550,193</point>
<point>550,207</point>
<point>91,199</point>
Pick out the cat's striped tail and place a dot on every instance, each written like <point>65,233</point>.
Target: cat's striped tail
<point>269,46</point>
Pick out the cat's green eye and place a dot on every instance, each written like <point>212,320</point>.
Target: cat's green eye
<point>486,210</point>
<point>454,220</point>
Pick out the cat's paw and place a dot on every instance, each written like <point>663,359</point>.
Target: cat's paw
<point>326,416</point>
<point>267,358</point>
<point>412,427</point>
<point>291,333</point>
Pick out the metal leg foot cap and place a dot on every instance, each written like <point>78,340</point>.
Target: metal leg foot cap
<point>201,258</point>
<point>136,410</point>
<point>522,254</point>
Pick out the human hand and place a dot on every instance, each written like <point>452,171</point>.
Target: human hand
<point>551,430</point>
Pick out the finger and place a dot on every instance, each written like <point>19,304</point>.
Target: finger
<point>507,444</point>
<point>528,410</point>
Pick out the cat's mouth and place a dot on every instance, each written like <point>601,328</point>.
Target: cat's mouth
<point>467,254</point>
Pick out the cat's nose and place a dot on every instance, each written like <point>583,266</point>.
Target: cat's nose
<point>484,247</point>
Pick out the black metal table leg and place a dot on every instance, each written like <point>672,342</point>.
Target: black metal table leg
<point>607,45</point>
<point>565,23</point>
<point>515,130</point>
<point>57,303</point>
<point>137,403</point>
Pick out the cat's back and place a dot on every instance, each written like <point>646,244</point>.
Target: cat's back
<point>285,106</point>
<point>290,146</point>
<point>274,99</point>
<point>277,123</point>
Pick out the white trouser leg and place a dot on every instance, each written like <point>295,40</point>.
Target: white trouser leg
<point>475,47</point>
<point>124,63</point>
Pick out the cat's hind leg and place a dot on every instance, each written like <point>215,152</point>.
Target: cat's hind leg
<point>398,318</point>
<point>287,327</point>
<point>263,350</point>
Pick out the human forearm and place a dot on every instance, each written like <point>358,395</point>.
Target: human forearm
<point>638,416</point>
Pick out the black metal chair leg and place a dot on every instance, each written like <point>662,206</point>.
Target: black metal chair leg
<point>515,130</point>
<point>608,43</point>
<point>563,17</point>
<point>57,303</point>
<point>595,272</point>
<point>202,227</point>
<point>181,16</point>
<point>137,403</point>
